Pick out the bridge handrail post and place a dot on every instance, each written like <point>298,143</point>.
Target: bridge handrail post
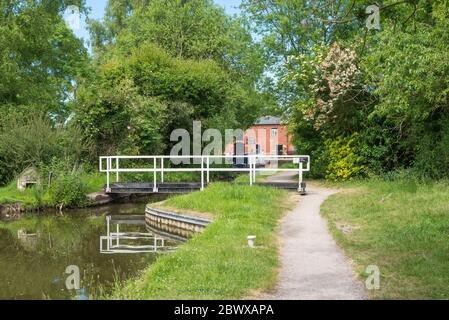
<point>154,175</point>
<point>300,176</point>
<point>250,171</point>
<point>202,173</point>
<point>207,165</point>
<point>108,168</point>
<point>162,169</point>
<point>117,177</point>
<point>254,167</point>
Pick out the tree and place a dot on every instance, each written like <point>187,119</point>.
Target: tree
<point>195,29</point>
<point>174,61</point>
<point>383,93</point>
<point>39,55</point>
<point>138,99</point>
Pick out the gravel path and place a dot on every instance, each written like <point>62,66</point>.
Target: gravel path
<point>313,266</point>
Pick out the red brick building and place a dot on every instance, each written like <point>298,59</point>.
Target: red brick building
<point>267,136</point>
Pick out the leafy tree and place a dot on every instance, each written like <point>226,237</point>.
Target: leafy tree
<point>338,80</point>
<point>195,29</point>
<point>138,99</point>
<point>160,66</point>
<point>39,55</point>
<point>407,70</point>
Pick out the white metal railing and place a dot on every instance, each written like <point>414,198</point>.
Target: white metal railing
<point>252,165</point>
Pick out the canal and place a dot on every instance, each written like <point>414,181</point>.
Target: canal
<point>36,249</point>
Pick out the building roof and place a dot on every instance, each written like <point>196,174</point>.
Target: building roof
<point>268,120</point>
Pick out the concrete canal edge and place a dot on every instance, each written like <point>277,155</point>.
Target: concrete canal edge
<point>167,221</point>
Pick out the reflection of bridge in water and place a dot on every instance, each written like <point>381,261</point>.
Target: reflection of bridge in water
<point>158,166</point>
<point>134,241</point>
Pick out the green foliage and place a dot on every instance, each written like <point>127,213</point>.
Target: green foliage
<point>344,163</point>
<point>389,87</point>
<point>432,150</point>
<point>117,119</point>
<point>68,190</point>
<point>161,65</point>
<point>66,183</point>
<point>39,55</point>
<point>408,70</point>
<point>26,141</point>
<point>195,29</point>
<point>138,99</point>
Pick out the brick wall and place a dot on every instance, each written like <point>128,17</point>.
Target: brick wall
<point>267,136</point>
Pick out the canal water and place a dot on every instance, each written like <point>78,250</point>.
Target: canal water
<point>36,250</point>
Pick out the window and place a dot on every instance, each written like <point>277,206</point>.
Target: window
<point>274,132</point>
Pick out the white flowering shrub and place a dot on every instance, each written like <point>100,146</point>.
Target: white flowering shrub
<point>330,77</point>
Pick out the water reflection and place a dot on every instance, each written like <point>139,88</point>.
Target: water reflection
<point>36,249</point>
<point>124,240</point>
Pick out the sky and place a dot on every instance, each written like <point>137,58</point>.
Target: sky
<point>98,8</point>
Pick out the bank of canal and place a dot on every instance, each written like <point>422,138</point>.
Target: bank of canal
<point>33,266</point>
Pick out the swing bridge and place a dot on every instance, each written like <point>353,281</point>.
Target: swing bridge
<point>157,167</point>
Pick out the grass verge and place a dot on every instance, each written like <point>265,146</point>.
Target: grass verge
<point>34,198</point>
<point>402,227</point>
<point>217,264</point>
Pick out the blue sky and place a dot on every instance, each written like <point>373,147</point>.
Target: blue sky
<point>98,7</point>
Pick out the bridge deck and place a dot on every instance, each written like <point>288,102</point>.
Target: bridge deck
<point>180,187</point>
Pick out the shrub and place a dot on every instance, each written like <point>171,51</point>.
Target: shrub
<point>68,190</point>
<point>432,151</point>
<point>25,141</point>
<point>344,163</point>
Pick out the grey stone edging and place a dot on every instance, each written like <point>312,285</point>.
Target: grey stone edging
<point>160,217</point>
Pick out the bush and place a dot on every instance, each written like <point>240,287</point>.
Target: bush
<point>25,141</point>
<point>344,163</point>
<point>432,151</point>
<point>68,191</point>
<point>67,187</point>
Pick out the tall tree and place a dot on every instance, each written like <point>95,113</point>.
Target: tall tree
<point>175,62</point>
<point>195,29</point>
<point>39,55</point>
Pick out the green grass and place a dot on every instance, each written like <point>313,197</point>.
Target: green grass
<point>10,194</point>
<point>218,264</point>
<point>403,228</point>
<point>94,181</point>
<point>32,198</point>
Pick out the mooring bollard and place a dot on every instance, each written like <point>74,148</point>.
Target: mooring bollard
<point>251,241</point>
